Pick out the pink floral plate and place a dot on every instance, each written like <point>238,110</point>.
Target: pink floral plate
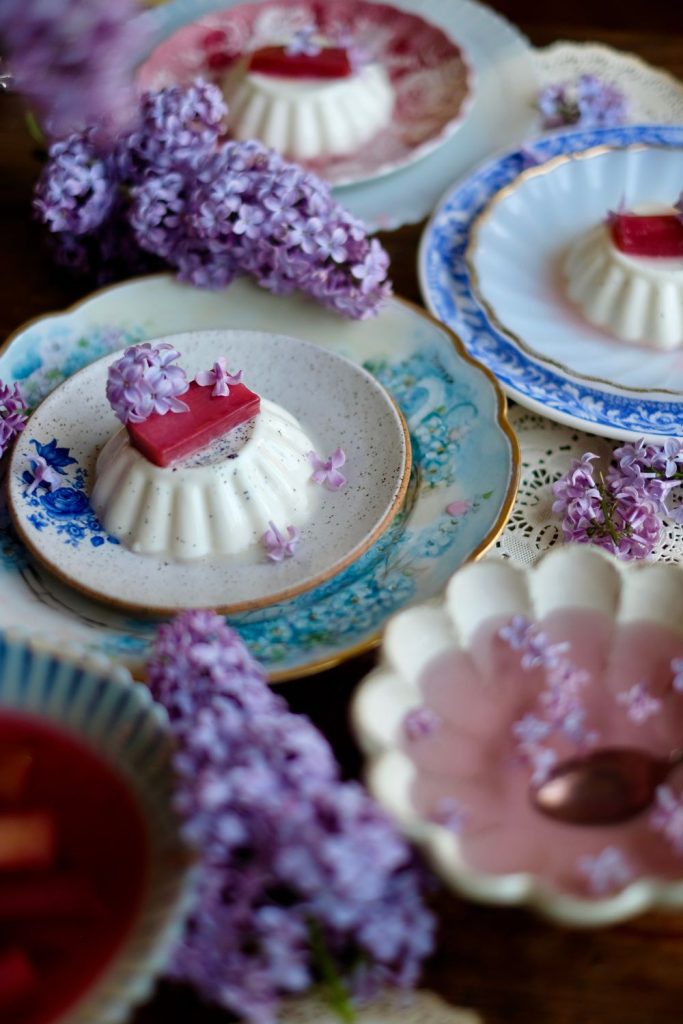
<point>430,74</point>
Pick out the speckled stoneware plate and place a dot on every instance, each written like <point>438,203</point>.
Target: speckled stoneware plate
<point>587,404</point>
<point>465,459</point>
<point>336,402</point>
<point>430,77</point>
<point>503,65</point>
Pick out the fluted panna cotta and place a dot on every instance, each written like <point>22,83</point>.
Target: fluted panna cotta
<point>218,501</point>
<point>637,298</point>
<point>308,118</point>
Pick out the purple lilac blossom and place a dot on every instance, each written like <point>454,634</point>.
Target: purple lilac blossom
<point>587,103</point>
<point>282,842</point>
<point>606,872</point>
<point>326,471</point>
<point>74,61</point>
<point>221,379</point>
<point>210,207</point>
<point>451,814</point>
<point>42,474</point>
<point>278,547</point>
<point>144,380</point>
<point>302,42</point>
<point>12,414</point>
<point>420,723</point>
<point>667,816</point>
<point>677,674</point>
<point>639,704</point>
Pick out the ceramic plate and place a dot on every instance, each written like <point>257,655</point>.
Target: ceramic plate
<point>429,74</point>
<point>465,459</point>
<point>337,403</point>
<point>502,65</point>
<point>519,244</point>
<point>595,406</point>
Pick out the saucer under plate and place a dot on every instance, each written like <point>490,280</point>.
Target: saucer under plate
<point>465,459</point>
<point>337,403</point>
<point>430,76</point>
<point>597,406</point>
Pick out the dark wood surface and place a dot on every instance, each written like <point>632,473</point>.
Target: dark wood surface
<point>508,965</point>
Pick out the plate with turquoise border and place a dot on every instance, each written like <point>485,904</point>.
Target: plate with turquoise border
<point>462,486</point>
<point>583,403</point>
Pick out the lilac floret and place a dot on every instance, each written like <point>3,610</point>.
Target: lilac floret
<point>219,378</point>
<point>12,414</point>
<point>326,472</point>
<point>277,545</point>
<point>587,103</point>
<point>145,381</point>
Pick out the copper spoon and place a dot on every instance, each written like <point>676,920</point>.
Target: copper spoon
<point>603,788</point>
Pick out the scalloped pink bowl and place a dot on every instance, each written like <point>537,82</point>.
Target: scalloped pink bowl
<point>624,625</point>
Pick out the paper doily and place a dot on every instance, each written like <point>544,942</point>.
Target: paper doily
<point>654,96</point>
<point>420,1008</point>
<point>547,450</point>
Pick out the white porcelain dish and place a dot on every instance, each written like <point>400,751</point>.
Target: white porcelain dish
<point>421,643</point>
<point>341,406</point>
<point>532,272</point>
<point>587,403</point>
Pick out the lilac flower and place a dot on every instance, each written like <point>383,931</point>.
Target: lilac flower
<point>302,42</point>
<point>639,704</point>
<point>667,816</point>
<point>145,381</point>
<point>295,866</point>
<point>12,414</point>
<point>74,61</point>
<point>326,471</point>
<point>279,547</point>
<point>677,670</point>
<point>42,473</point>
<point>530,729</point>
<point>588,103</point>
<point>542,760</point>
<point>516,632</point>
<point>606,871</point>
<point>75,192</point>
<point>420,723</point>
<point>450,813</point>
<point>219,377</point>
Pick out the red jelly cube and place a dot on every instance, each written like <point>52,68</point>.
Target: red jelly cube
<point>331,62</point>
<point>17,976</point>
<point>644,235</point>
<point>28,840</point>
<point>16,762</point>
<point>166,439</point>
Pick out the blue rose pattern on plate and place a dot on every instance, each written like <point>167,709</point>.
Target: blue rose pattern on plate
<point>454,417</point>
<point>447,291</point>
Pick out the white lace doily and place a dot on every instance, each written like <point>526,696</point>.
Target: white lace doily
<point>547,450</point>
<point>422,1008</point>
<point>654,96</point>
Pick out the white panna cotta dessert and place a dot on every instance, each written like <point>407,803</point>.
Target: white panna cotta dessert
<point>638,299</point>
<point>309,118</point>
<point>218,501</point>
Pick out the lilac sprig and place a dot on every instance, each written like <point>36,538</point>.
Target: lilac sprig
<point>219,377</point>
<point>298,871</point>
<point>12,414</point>
<point>587,103</point>
<point>174,188</point>
<point>145,380</point>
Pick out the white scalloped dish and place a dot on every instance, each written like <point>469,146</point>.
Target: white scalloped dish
<point>448,722</point>
<point>550,278</point>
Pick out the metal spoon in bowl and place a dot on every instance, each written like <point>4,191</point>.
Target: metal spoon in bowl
<point>603,788</point>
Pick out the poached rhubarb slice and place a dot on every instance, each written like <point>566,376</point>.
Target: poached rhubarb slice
<point>176,435</point>
<point>648,235</point>
<point>331,62</point>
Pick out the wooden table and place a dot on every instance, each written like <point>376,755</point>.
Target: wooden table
<point>508,965</point>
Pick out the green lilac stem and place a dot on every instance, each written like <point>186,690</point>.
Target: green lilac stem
<point>337,994</point>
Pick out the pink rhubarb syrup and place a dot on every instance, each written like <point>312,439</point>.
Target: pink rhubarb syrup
<point>472,762</point>
<point>73,858</point>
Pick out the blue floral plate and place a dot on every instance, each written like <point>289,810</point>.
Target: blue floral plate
<point>599,406</point>
<point>465,469</point>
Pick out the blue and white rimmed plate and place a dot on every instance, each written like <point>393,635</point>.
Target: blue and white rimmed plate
<point>99,704</point>
<point>465,459</point>
<point>611,406</point>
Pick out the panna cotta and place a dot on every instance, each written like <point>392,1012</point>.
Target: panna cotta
<point>308,118</point>
<point>218,501</point>
<point>638,298</point>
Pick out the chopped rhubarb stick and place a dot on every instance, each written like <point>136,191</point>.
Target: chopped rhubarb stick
<point>17,976</point>
<point>28,841</point>
<point>331,62</point>
<point>165,439</point>
<point>15,767</point>
<point>644,235</point>
<point>48,896</point>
